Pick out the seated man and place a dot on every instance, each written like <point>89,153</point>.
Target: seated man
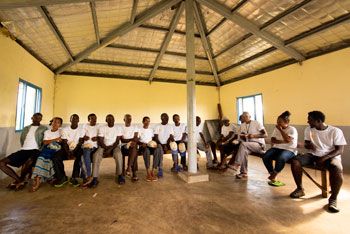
<point>129,139</point>
<point>225,144</point>
<point>179,130</point>
<point>146,149</point>
<point>252,134</point>
<point>325,144</point>
<point>108,139</point>
<point>202,144</point>
<point>163,135</point>
<point>72,140</point>
<point>31,141</point>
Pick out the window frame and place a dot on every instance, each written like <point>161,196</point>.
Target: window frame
<point>248,96</point>
<point>38,101</point>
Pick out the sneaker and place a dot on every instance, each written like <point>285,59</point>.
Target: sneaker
<point>121,179</point>
<point>94,183</point>
<point>74,182</point>
<point>154,178</point>
<point>178,168</point>
<point>160,173</point>
<point>297,193</point>
<point>276,183</point>
<point>61,183</point>
<point>332,206</point>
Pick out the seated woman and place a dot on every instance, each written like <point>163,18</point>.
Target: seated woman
<point>43,169</point>
<point>284,142</point>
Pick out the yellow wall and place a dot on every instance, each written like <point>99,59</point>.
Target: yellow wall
<point>17,63</point>
<point>321,83</point>
<point>84,95</point>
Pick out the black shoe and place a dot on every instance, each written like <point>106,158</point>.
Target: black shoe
<point>61,183</point>
<point>297,193</point>
<point>74,182</point>
<point>120,179</point>
<point>94,183</point>
<point>332,206</point>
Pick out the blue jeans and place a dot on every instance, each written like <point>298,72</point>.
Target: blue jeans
<point>280,156</point>
<point>86,162</point>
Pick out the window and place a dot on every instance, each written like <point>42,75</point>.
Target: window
<point>253,105</point>
<point>28,103</point>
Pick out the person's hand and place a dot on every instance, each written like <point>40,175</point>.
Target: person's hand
<point>94,138</point>
<point>207,146</point>
<point>86,138</point>
<point>320,162</point>
<point>250,136</point>
<point>279,127</point>
<point>58,139</point>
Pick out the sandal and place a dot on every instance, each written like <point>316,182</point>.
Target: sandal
<point>35,186</point>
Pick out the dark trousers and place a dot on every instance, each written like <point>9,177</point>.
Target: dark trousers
<point>58,164</point>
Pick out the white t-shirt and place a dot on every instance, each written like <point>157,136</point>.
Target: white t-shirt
<point>324,140</point>
<point>164,132</point>
<point>291,146</point>
<point>225,130</point>
<point>49,135</point>
<point>146,134</point>
<point>109,134</point>
<point>72,135</point>
<point>90,131</point>
<point>254,127</point>
<point>30,142</point>
<point>179,131</point>
<point>129,132</point>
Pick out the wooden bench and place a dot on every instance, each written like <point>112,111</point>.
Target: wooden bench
<point>324,183</point>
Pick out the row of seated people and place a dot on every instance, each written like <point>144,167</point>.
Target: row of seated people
<point>324,144</point>
<point>46,149</point>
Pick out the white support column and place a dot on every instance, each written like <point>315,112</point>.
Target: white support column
<point>191,87</point>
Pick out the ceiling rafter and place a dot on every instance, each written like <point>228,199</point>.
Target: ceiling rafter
<point>95,21</point>
<point>205,42</point>
<point>167,39</point>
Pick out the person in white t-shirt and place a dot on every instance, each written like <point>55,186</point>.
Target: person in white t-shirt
<point>90,131</point>
<point>225,145</point>
<point>31,142</point>
<point>108,140</point>
<point>326,145</point>
<point>251,134</point>
<point>43,170</point>
<point>72,140</point>
<point>202,145</point>
<point>284,141</point>
<point>180,135</point>
<point>146,135</point>
<point>129,139</point>
<point>163,135</point>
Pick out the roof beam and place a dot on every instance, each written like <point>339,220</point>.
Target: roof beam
<point>167,39</point>
<point>249,26</point>
<point>133,11</point>
<point>49,21</point>
<point>237,7</point>
<point>265,25</point>
<point>337,21</point>
<point>162,29</point>
<point>124,77</point>
<point>206,45</point>
<point>94,19</point>
<point>8,4</point>
<point>134,65</point>
<point>150,50</point>
<point>121,30</point>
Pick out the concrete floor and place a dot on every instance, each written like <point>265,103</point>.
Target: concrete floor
<point>223,205</point>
